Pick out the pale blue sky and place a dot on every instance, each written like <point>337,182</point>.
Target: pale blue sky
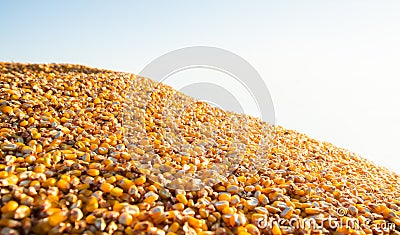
<point>332,67</point>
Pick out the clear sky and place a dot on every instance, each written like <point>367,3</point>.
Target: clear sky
<point>332,67</point>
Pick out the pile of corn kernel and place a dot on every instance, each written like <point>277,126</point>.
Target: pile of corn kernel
<point>75,141</point>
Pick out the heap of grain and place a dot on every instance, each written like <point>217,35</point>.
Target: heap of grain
<point>83,151</point>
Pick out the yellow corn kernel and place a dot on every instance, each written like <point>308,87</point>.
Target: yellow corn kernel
<point>151,199</point>
<point>92,204</point>
<point>82,187</point>
<point>56,218</point>
<point>93,172</point>
<point>182,199</point>
<point>228,210</point>
<point>174,227</point>
<point>39,168</point>
<point>275,229</point>
<point>195,223</point>
<point>224,197</point>
<point>3,174</point>
<point>221,205</point>
<point>237,220</point>
<point>116,192</point>
<point>111,179</point>
<point>178,206</point>
<point>23,123</point>
<point>252,229</point>
<point>106,187</point>
<point>9,207</point>
<point>63,185</point>
<point>263,199</point>
<point>102,150</point>
<point>90,219</point>
<point>36,136</point>
<point>126,184</point>
<point>22,211</point>
<point>96,101</point>
<point>125,219</point>
<point>141,180</point>
<point>6,109</point>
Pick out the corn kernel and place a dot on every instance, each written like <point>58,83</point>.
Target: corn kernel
<point>116,192</point>
<point>92,204</point>
<point>182,199</point>
<point>9,207</point>
<point>141,180</point>
<point>56,218</point>
<point>93,172</point>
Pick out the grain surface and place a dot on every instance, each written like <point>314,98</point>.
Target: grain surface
<point>74,159</point>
